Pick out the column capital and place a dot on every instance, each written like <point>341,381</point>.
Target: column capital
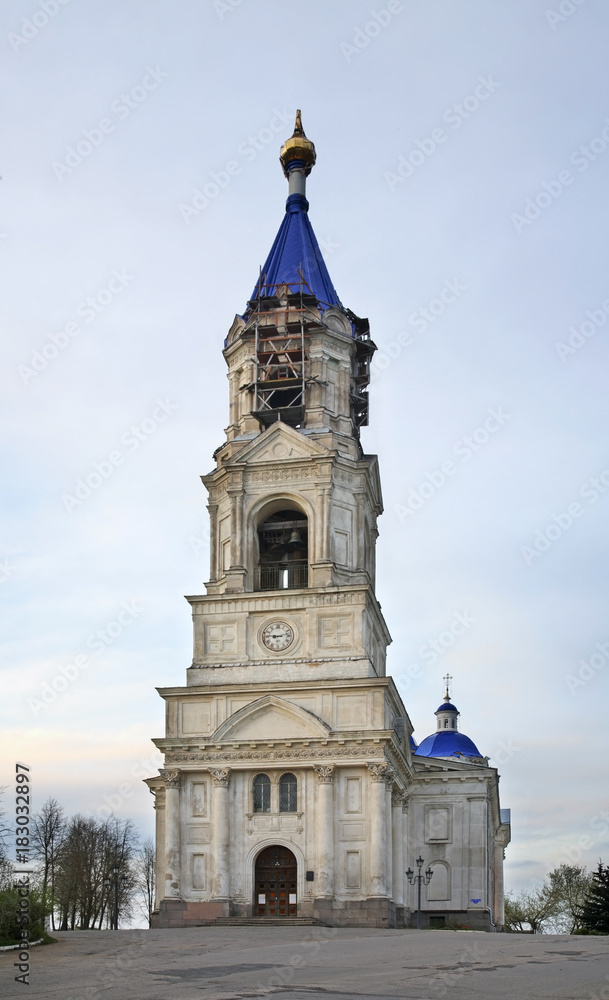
<point>325,773</point>
<point>172,779</point>
<point>220,776</point>
<point>379,771</point>
<point>397,797</point>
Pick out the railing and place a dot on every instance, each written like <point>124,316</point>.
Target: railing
<point>282,576</point>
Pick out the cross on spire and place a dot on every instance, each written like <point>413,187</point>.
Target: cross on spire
<point>447,678</point>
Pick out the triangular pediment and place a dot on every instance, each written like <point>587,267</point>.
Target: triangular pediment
<point>271,718</point>
<point>279,443</point>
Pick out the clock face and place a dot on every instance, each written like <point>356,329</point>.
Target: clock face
<point>277,636</point>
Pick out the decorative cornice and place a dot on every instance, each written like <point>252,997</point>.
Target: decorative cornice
<point>307,753</point>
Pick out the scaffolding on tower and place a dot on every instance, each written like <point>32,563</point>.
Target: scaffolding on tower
<point>279,348</point>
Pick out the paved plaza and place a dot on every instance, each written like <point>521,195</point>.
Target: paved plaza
<point>293,963</point>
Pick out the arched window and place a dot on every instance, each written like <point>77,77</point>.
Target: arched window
<point>262,793</point>
<point>454,723</point>
<point>446,723</point>
<point>288,793</point>
<point>283,551</point>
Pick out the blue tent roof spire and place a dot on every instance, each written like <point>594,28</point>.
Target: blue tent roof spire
<point>295,258</point>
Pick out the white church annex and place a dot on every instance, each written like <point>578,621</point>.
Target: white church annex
<point>292,786</point>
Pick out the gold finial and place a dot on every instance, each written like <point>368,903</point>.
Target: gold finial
<point>297,147</point>
<point>447,679</point>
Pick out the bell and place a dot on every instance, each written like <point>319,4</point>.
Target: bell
<point>294,539</point>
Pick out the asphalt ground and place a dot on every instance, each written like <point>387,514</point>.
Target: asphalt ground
<point>298,963</point>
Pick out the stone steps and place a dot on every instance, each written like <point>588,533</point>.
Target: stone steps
<point>255,922</point>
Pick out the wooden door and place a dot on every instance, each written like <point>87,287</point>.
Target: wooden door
<point>275,883</point>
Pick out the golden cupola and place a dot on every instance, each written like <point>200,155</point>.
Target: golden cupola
<point>297,151</point>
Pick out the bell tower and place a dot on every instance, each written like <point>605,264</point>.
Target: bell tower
<point>293,501</point>
<point>291,787</point>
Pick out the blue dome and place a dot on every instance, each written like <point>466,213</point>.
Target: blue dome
<point>447,707</point>
<point>448,744</point>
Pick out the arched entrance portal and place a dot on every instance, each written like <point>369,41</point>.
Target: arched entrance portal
<point>275,883</point>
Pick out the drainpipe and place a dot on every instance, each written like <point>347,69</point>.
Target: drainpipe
<point>488,856</point>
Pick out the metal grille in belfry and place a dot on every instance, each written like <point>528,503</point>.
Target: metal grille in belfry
<point>288,793</point>
<point>262,793</point>
<point>275,576</point>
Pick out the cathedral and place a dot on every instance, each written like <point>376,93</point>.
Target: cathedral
<point>292,786</point>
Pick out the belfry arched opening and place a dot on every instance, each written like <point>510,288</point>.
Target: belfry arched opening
<point>283,551</point>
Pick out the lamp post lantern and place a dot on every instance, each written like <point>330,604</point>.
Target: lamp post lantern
<point>420,879</point>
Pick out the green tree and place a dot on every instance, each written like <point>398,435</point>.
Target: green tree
<point>530,910</point>
<point>569,885</point>
<point>595,911</point>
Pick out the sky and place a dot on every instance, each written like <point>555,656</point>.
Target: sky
<point>459,198</point>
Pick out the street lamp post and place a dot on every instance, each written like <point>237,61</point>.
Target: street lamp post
<point>420,879</point>
<point>114,882</point>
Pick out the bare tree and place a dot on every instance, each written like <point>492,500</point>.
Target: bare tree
<point>47,832</point>
<point>145,877</point>
<point>90,851</point>
<point>6,868</point>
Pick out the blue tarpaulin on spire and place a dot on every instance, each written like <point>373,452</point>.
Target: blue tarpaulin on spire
<point>296,253</point>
